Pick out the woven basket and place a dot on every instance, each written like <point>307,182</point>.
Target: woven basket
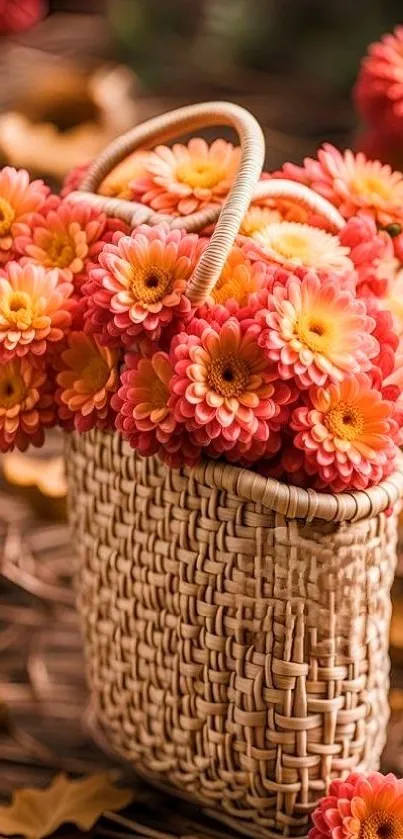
<point>236,629</point>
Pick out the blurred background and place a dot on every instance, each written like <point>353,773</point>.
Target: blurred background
<point>73,76</point>
<point>76,73</point>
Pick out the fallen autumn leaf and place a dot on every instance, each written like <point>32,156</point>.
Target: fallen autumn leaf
<point>35,813</point>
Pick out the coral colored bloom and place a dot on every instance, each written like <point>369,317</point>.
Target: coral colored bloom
<point>183,179</point>
<point>87,379</point>
<point>143,415</point>
<point>20,15</point>
<point>387,338</point>
<point>35,309</point>
<point>224,391</point>
<point>74,179</point>
<point>67,238</point>
<point>346,432</point>
<point>369,249</point>
<point>287,465</point>
<point>26,406</point>
<point>361,807</point>
<point>140,285</point>
<point>293,245</point>
<point>315,332</point>
<point>19,200</point>
<point>352,183</point>
<point>118,183</point>
<point>240,278</point>
<point>378,92</point>
<point>394,300</point>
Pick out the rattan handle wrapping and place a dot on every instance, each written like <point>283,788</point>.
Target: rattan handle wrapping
<point>229,218</point>
<point>167,127</point>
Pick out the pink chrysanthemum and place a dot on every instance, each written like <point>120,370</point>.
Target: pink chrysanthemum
<point>35,309</point>
<point>26,406</point>
<point>19,200</point>
<point>315,332</point>
<point>394,300</point>
<point>74,179</point>
<point>183,179</point>
<point>224,392</point>
<point>368,250</point>
<point>140,285</point>
<point>287,465</point>
<point>143,415</point>
<point>87,379</point>
<point>67,238</point>
<point>352,183</point>
<point>378,92</point>
<point>19,15</point>
<point>346,432</point>
<point>361,807</point>
<point>388,341</point>
<point>295,245</point>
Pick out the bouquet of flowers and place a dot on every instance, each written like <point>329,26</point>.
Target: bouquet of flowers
<point>292,367</point>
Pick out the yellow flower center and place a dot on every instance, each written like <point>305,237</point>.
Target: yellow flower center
<point>201,174</point>
<point>12,388</point>
<point>228,375</point>
<point>159,394</point>
<point>7,216</point>
<point>18,309</point>
<point>315,332</point>
<point>150,285</point>
<point>61,252</point>
<point>95,374</point>
<point>345,421</point>
<point>381,825</point>
<point>292,245</point>
<point>371,186</point>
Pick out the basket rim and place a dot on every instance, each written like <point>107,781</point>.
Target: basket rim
<point>289,501</point>
<point>295,502</point>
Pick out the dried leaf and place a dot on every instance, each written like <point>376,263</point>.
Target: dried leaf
<point>35,813</point>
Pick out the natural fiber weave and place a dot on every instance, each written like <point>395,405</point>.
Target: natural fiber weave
<point>236,653</point>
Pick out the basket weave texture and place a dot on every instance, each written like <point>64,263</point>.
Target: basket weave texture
<point>234,653</point>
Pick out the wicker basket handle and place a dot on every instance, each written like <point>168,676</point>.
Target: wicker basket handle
<point>166,127</point>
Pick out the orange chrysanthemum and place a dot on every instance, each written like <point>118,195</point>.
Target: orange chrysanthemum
<point>361,807</point>
<point>315,332</point>
<point>19,200</point>
<point>66,238</point>
<point>346,432</point>
<point>352,183</point>
<point>139,286</point>
<point>118,183</point>
<point>26,406</point>
<point>225,393</point>
<point>240,279</point>
<point>183,179</point>
<point>35,309</point>
<point>87,380</point>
